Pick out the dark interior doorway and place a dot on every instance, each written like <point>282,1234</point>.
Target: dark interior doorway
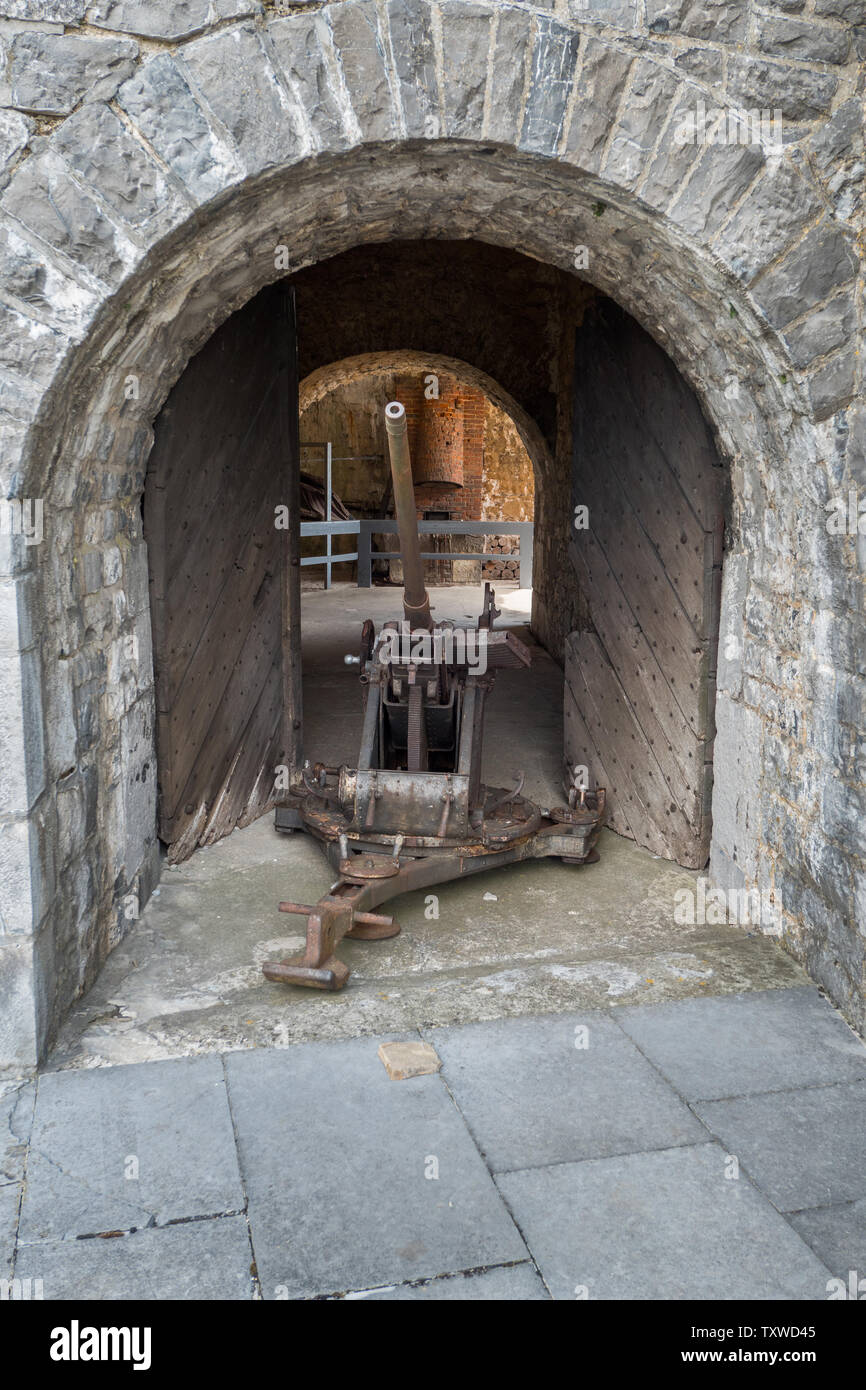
<point>628,604</point>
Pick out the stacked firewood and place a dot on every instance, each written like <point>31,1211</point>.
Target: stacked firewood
<point>501,569</point>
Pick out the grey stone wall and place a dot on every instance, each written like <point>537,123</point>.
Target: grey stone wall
<point>153,156</point>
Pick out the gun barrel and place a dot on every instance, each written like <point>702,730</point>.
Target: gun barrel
<point>416,601</point>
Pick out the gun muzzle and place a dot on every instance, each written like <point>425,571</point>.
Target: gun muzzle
<point>416,600</point>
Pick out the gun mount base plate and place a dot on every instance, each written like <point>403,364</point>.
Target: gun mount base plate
<point>513,830</point>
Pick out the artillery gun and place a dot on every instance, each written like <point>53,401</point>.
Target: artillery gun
<point>414,812</point>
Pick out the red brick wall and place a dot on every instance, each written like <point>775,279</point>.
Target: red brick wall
<point>446,441</point>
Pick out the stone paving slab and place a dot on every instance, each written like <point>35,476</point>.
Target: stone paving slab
<point>361,1187</point>
<point>193,1260</point>
<point>531,1096</point>
<point>803,1148</point>
<point>513,1283</point>
<point>9,1197</point>
<point>664,1225</point>
<point>16,1117</point>
<point>731,1045</point>
<point>837,1235</point>
<point>172,1118</point>
<point>334,1157</point>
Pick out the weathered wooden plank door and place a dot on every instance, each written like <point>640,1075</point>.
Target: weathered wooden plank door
<point>223,589</point>
<point>640,679</point>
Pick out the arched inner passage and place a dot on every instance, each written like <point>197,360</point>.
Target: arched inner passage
<point>476,455</point>
<point>330,378</point>
<point>628,527</point>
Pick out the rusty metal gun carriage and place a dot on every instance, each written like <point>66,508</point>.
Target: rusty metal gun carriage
<point>414,812</point>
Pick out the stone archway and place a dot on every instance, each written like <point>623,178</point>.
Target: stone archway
<point>504,448</point>
<point>310,134</point>
<point>324,379</point>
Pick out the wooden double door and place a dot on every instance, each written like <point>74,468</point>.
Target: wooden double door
<point>647,554</point>
<point>224,578</point>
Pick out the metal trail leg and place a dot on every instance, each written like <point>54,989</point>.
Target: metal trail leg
<point>319,968</point>
<point>332,918</point>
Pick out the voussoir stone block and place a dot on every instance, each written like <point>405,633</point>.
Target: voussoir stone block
<point>37,283</point>
<point>298,44</point>
<point>19,405</point>
<point>52,73</point>
<point>601,83</point>
<point>823,331</point>
<point>167,19</point>
<point>553,61</point>
<point>778,208</point>
<point>833,385</point>
<point>32,349</point>
<point>676,153</point>
<point>410,24</point>
<point>819,264</point>
<point>838,152</point>
<point>105,156</point>
<point>840,137</point>
<point>45,197</point>
<point>233,74</point>
<point>466,45</point>
<point>642,115</point>
<point>360,48</point>
<point>508,74</point>
<point>719,181</point>
<point>159,101</point>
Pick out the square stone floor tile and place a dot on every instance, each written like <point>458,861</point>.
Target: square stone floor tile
<point>355,1180</point>
<point>531,1096</point>
<point>803,1148</point>
<point>735,1044</point>
<point>120,1148</point>
<point>193,1260</point>
<point>838,1237</point>
<point>663,1225</point>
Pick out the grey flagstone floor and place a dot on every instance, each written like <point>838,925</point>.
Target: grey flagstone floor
<point>709,1148</point>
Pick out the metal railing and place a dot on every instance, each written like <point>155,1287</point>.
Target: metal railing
<point>330,527</point>
<point>365,529</point>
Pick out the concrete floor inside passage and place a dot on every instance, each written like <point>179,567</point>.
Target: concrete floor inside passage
<point>541,937</point>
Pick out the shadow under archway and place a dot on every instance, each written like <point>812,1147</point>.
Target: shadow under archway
<point>640,671</point>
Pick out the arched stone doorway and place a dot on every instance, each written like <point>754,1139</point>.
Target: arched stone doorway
<point>318,133</point>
